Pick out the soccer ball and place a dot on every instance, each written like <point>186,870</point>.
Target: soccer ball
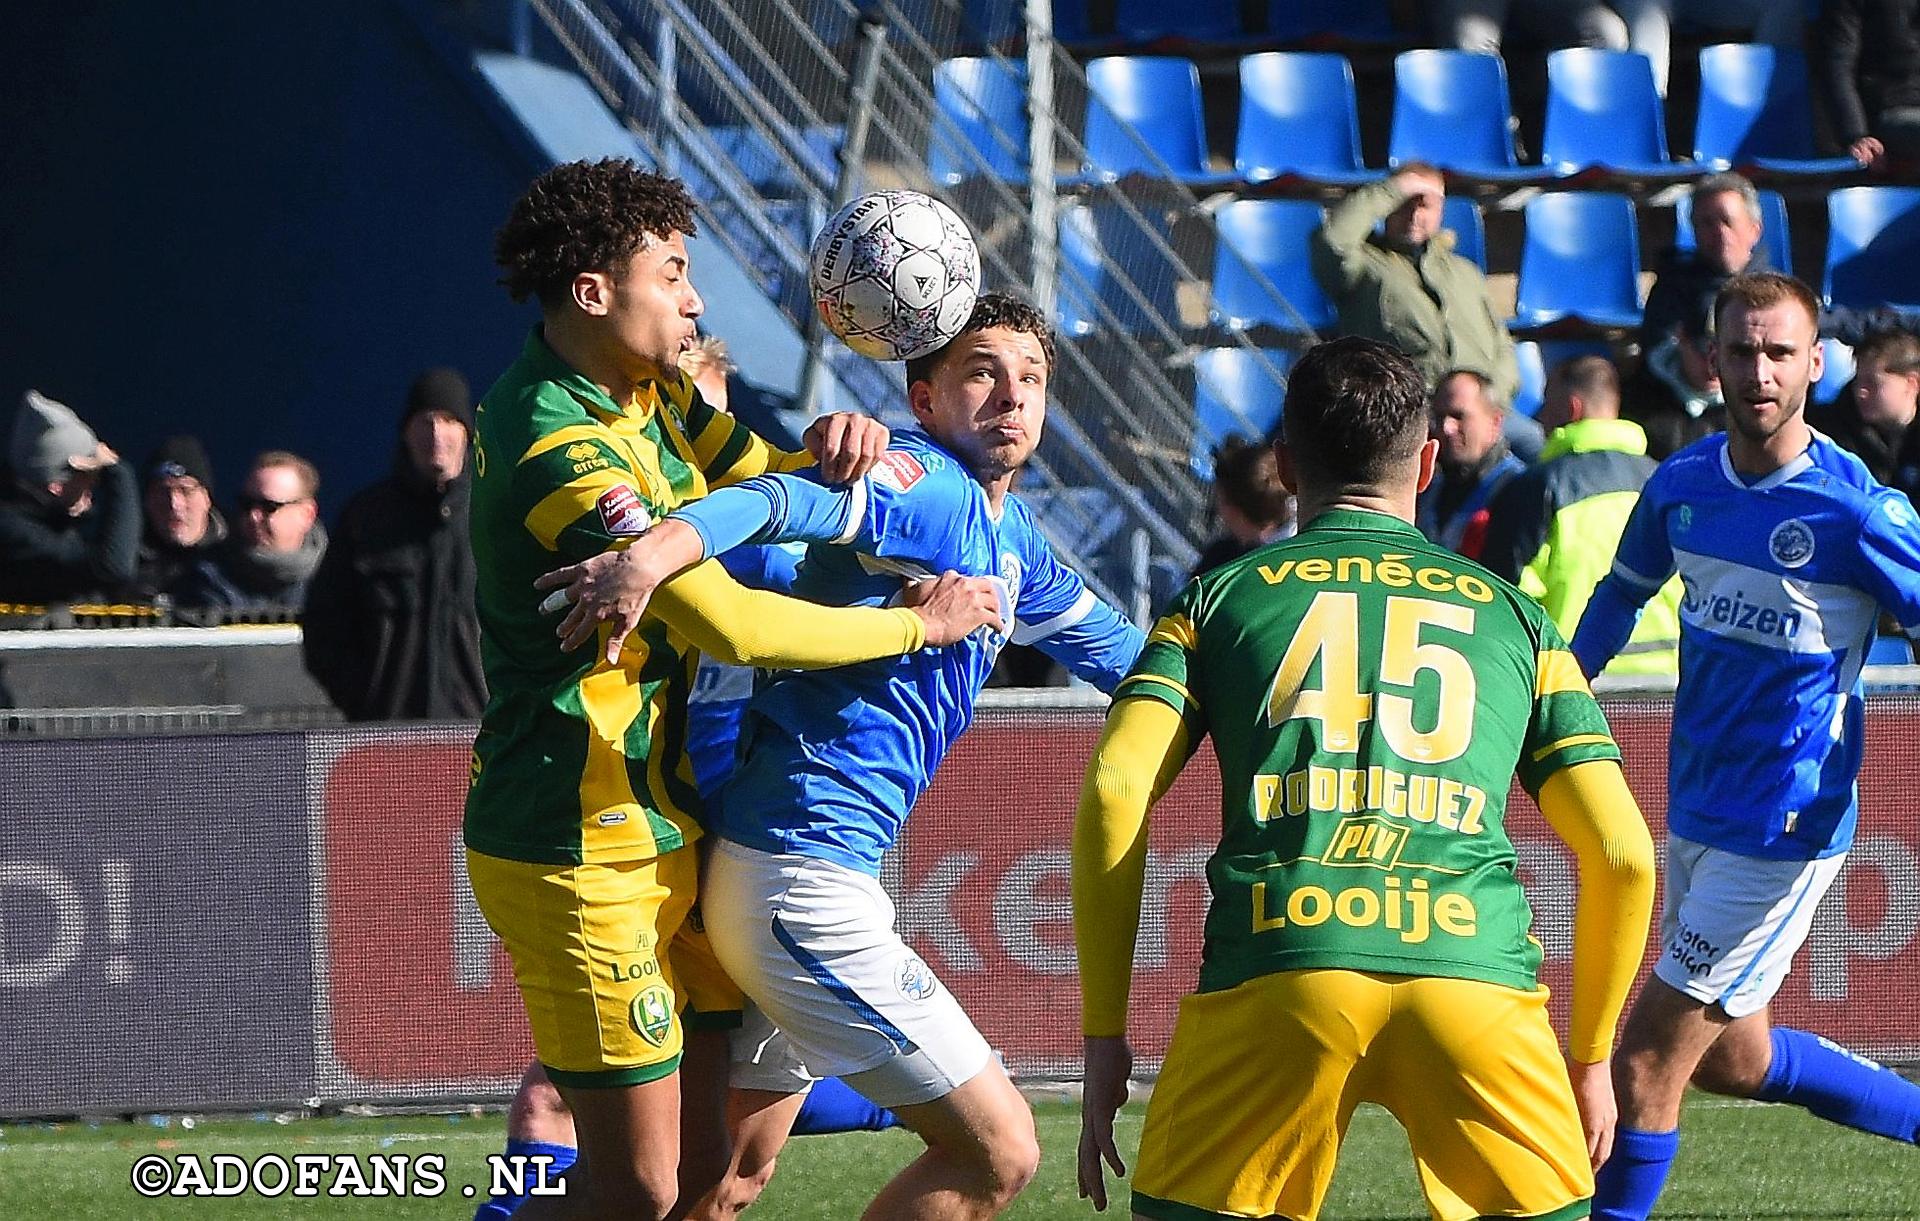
<point>895,274</point>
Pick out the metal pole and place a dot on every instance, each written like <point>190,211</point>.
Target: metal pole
<point>853,156</point>
<point>1044,207</point>
<point>1141,569</point>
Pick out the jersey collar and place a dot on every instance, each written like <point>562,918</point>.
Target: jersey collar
<point>648,397</point>
<point>1360,519</point>
<point>1800,462</point>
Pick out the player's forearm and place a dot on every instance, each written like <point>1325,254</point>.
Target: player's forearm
<point>1099,649</point>
<point>1588,805</point>
<point>748,627</point>
<point>1140,753</point>
<point>1607,622</point>
<point>774,509</point>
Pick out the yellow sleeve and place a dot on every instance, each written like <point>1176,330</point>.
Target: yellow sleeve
<point>1140,754</point>
<point>1589,807</point>
<point>750,627</point>
<point>729,452</point>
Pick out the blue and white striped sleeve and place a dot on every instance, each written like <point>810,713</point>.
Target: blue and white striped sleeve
<point>1890,557</point>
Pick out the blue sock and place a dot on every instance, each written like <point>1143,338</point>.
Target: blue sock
<point>1630,1182</point>
<point>501,1207</point>
<point>834,1106</point>
<point>1835,1084</point>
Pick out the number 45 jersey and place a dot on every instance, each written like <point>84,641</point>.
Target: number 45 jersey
<point>1370,697</point>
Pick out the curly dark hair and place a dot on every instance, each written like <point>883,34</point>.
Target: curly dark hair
<point>586,216</point>
<point>1356,409</point>
<point>991,310</point>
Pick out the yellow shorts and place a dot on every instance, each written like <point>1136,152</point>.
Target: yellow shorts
<point>586,943</point>
<point>709,999</point>
<point>1260,1082</point>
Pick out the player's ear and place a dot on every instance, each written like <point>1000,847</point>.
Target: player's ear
<point>592,293</point>
<point>1283,458</point>
<point>1429,461</point>
<point>920,398</point>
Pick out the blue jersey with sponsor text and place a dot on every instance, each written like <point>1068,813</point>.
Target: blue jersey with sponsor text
<point>831,761</point>
<point>720,692</point>
<point>1784,580</point>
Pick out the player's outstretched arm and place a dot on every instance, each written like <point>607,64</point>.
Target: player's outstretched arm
<point>1141,752</point>
<point>1589,806</point>
<point>749,627</point>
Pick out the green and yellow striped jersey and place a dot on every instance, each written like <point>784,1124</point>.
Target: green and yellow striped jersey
<point>1371,697</point>
<point>577,760</point>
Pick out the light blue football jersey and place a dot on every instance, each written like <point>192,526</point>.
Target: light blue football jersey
<point>720,692</point>
<point>1784,581</point>
<point>832,761</point>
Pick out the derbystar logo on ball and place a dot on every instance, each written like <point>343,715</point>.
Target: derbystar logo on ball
<point>895,274</point>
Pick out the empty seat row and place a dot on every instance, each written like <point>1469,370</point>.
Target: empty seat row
<point>1579,263</point>
<point>1299,120</point>
<point>1144,22</point>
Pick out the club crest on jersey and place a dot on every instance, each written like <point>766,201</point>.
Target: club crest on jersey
<point>898,470</point>
<point>1791,543</point>
<point>1686,517</point>
<point>914,979</point>
<point>652,1014</point>
<point>622,512</point>
<point>1899,511</point>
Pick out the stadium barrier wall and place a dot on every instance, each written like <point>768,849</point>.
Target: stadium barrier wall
<point>225,921</point>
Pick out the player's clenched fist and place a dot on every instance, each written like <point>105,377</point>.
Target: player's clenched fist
<point>953,606</point>
<point>846,445</point>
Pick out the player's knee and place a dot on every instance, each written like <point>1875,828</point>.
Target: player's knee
<point>538,1112</point>
<point>1009,1161</point>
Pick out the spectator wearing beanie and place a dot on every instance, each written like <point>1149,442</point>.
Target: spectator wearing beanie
<point>69,511</point>
<point>183,529</point>
<point>390,629</point>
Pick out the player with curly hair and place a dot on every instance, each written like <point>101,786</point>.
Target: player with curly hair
<point>582,811</point>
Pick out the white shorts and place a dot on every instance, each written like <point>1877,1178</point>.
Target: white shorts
<point>1732,924</point>
<point>761,1057</point>
<point>813,944</point>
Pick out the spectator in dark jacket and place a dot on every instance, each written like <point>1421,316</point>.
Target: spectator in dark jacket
<point>1878,415</point>
<point>1727,226</point>
<point>1475,461</point>
<point>1867,56</point>
<point>183,529</point>
<point>1253,506</point>
<point>69,511</point>
<point>1675,396</point>
<point>390,627</point>
<point>277,539</point>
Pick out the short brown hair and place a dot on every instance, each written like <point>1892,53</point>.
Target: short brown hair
<point>586,216</point>
<point>1592,376</point>
<point>1898,350</point>
<point>1247,476</point>
<point>991,310</point>
<point>1355,408</point>
<point>710,350</point>
<point>1763,290</point>
<point>305,471</point>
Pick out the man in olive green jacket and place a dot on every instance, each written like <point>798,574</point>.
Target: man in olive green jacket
<point>1553,530</point>
<point>1405,285</point>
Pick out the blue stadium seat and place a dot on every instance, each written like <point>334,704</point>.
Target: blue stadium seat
<point>1873,247</point>
<point>1236,390</point>
<point>1451,108</point>
<point>1773,233</point>
<point>1158,97</point>
<point>1755,113</point>
<point>1100,242</point>
<point>1268,236</point>
<point>1890,651</point>
<point>763,165</point>
<point>1839,370</point>
<point>1299,120</point>
<point>1605,117</point>
<point>1331,22</point>
<point>984,100</point>
<point>1152,21</point>
<point>1580,262</point>
<point>1462,215</point>
<point>1533,378</point>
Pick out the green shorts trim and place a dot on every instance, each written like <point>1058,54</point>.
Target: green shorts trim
<point>613,1078</point>
<point>1168,1210</point>
<point>1579,1208</point>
